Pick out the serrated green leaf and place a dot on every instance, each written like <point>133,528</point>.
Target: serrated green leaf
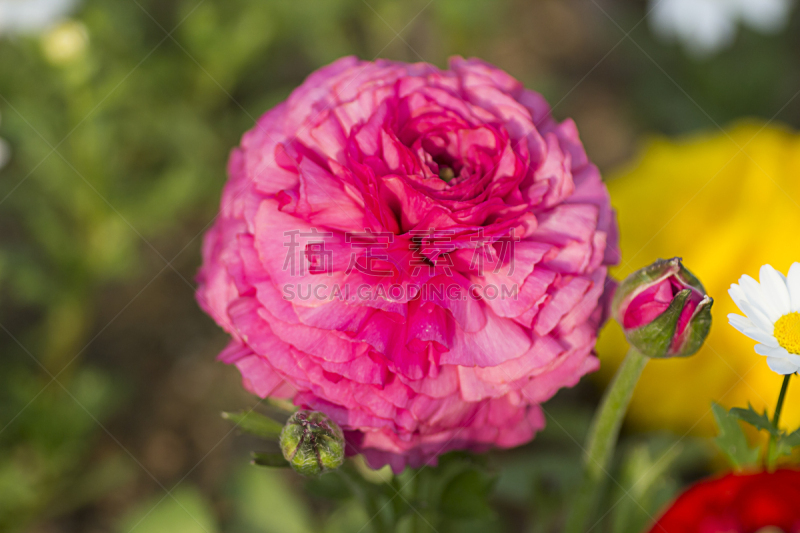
<point>274,460</point>
<point>759,421</point>
<point>792,439</point>
<point>785,445</point>
<point>256,424</point>
<point>732,440</point>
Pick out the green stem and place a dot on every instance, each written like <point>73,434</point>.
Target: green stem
<point>775,420</point>
<point>416,519</point>
<point>367,497</point>
<point>782,396</point>
<point>602,439</point>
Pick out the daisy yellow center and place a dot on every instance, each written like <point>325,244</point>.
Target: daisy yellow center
<point>787,332</point>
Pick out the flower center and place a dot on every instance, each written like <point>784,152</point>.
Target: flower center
<point>787,332</point>
<point>446,174</point>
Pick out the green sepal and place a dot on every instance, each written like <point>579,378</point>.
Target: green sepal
<point>273,460</point>
<point>696,330</point>
<point>648,276</point>
<point>330,452</point>
<point>641,280</point>
<point>732,440</point>
<point>655,339</point>
<point>685,276</point>
<point>255,424</point>
<point>312,443</point>
<point>759,421</point>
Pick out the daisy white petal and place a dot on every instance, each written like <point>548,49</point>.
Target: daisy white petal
<point>737,295</point>
<point>745,326</point>
<point>755,295</point>
<point>774,289</point>
<point>740,322</point>
<point>760,336</point>
<point>759,320</point>
<point>781,366</point>
<point>793,284</point>
<point>741,295</point>
<point>771,351</point>
<point>757,317</point>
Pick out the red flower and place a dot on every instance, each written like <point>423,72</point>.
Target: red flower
<point>736,503</point>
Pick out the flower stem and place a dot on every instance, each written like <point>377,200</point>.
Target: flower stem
<point>778,408</point>
<point>416,519</point>
<point>354,481</point>
<point>775,420</point>
<point>602,439</point>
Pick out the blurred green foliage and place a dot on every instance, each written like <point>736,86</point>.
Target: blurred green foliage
<point>185,511</point>
<point>40,469</point>
<point>120,122</point>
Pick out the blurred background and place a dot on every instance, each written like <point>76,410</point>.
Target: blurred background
<point>117,117</point>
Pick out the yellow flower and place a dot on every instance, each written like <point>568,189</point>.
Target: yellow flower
<point>727,203</point>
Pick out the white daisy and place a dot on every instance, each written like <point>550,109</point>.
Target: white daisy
<point>707,26</point>
<point>32,16</point>
<point>773,316</point>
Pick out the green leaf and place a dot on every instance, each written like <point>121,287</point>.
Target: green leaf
<point>792,439</point>
<point>785,445</point>
<point>759,421</point>
<point>274,460</point>
<point>255,424</point>
<point>643,472</point>
<point>465,496</point>
<point>732,440</point>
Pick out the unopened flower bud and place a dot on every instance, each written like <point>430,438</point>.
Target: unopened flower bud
<point>312,443</point>
<point>664,310</point>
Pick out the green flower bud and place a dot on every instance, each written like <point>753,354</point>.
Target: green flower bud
<point>312,443</point>
<point>664,310</point>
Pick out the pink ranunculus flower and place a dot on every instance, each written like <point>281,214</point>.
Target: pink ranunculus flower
<point>420,254</point>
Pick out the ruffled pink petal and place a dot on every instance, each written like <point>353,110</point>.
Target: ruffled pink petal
<point>425,347</point>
